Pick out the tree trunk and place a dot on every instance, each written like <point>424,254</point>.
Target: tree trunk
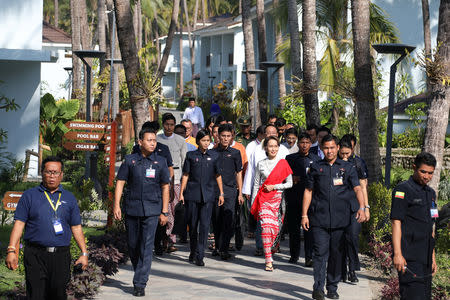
<point>156,31</point>
<point>296,66</point>
<point>309,63</point>
<point>101,29</point>
<point>250,59</point>
<point>203,12</point>
<point>169,39</point>
<point>281,78</point>
<point>181,57</point>
<point>262,51</point>
<point>56,14</point>
<point>439,104</point>
<point>118,67</point>
<point>127,43</point>
<point>365,100</point>
<point>137,23</point>
<point>426,33</point>
<point>76,45</point>
<point>191,42</point>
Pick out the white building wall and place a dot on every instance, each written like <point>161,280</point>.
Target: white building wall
<point>21,82</point>
<point>21,24</point>
<point>54,79</point>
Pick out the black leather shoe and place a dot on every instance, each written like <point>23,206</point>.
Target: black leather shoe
<point>332,295</point>
<point>318,295</point>
<point>309,263</point>
<point>199,262</point>
<point>225,255</point>
<point>293,260</point>
<point>352,277</point>
<point>191,257</point>
<point>139,292</point>
<point>215,252</point>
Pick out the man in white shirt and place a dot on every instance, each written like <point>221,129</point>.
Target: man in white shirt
<point>260,135</point>
<point>195,114</point>
<point>177,147</point>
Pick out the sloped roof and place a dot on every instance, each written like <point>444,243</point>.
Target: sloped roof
<point>51,34</point>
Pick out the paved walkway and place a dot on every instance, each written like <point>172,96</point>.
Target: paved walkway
<point>242,277</point>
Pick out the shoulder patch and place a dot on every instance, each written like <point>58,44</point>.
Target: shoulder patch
<point>400,195</point>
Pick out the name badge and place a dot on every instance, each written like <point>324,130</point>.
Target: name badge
<point>57,226</point>
<point>150,173</point>
<point>434,213</point>
<point>338,181</point>
<point>307,170</point>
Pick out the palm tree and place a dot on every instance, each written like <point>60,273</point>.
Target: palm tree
<point>56,13</point>
<point>365,99</point>
<point>437,118</point>
<point>169,39</point>
<point>279,41</point>
<point>127,43</point>
<point>294,39</point>
<point>262,53</point>
<point>426,32</point>
<point>309,63</point>
<point>250,58</point>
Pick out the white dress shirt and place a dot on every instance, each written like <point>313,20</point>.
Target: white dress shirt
<point>255,157</point>
<point>293,149</point>
<point>195,115</point>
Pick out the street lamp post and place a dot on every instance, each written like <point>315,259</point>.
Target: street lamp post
<point>276,65</point>
<point>403,50</point>
<point>91,164</point>
<point>255,89</point>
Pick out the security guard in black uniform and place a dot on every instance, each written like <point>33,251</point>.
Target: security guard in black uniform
<point>230,167</point>
<point>326,207</point>
<point>352,231</point>
<point>147,176</point>
<point>300,163</point>
<point>197,192</point>
<point>413,214</point>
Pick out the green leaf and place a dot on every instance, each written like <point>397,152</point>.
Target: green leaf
<point>67,109</point>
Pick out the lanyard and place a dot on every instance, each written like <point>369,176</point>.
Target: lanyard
<point>55,208</point>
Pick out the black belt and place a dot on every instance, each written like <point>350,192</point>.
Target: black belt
<point>176,168</point>
<point>47,249</point>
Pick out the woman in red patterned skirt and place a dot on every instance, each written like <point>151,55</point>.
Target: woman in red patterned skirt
<point>272,176</point>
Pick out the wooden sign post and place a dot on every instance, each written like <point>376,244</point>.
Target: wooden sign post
<point>10,200</point>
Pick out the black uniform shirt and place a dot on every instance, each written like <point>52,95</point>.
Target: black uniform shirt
<point>363,173</point>
<point>330,205</point>
<point>202,169</point>
<point>411,204</point>
<point>144,176</point>
<point>161,150</point>
<point>300,165</point>
<point>230,163</point>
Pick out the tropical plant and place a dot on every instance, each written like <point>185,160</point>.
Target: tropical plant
<point>53,115</point>
<point>6,104</point>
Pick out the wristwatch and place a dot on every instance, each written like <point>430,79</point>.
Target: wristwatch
<point>222,195</point>
<point>166,214</point>
<point>367,206</point>
<point>84,254</point>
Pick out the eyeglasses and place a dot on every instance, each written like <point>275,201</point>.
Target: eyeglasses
<point>52,173</point>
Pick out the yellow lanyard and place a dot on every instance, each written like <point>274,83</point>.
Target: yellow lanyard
<point>55,208</point>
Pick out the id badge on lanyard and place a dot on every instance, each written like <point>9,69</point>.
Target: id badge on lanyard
<point>150,172</point>
<point>434,211</point>
<point>57,225</point>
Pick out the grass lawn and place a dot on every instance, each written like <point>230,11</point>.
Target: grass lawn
<point>8,278</point>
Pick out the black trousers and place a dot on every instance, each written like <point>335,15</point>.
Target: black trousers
<point>415,288</point>
<point>239,225</point>
<point>294,219</point>
<point>198,216</point>
<point>141,237</point>
<point>327,255</point>
<point>351,246</point>
<point>223,222</point>
<point>160,237</point>
<point>46,274</point>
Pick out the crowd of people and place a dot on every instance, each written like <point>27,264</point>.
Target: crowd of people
<point>203,181</point>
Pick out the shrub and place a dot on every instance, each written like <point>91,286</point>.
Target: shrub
<point>390,290</point>
<point>441,285</point>
<point>86,284</point>
<point>380,207</point>
<point>113,238</point>
<point>107,258</point>
<point>382,252</point>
